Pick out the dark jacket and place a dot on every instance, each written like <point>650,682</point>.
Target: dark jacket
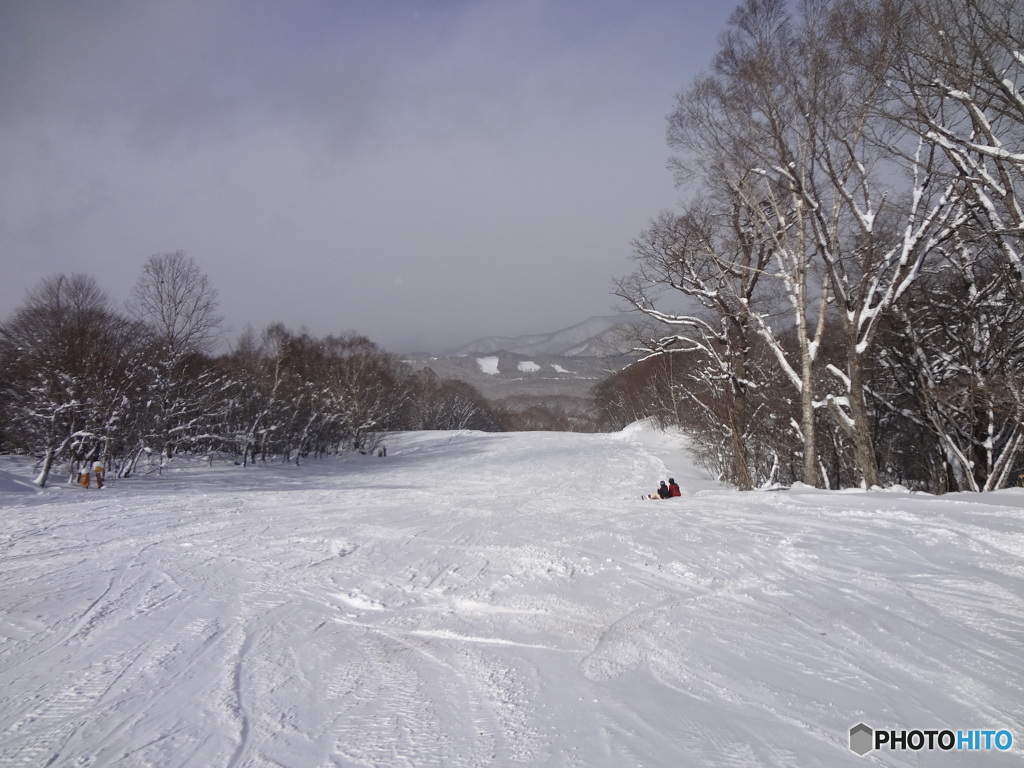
<point>663,490</point>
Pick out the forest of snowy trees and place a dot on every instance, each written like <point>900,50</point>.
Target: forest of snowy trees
<point>839,300</point>
<point>83,381</point>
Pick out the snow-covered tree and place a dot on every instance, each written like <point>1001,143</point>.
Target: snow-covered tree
<point>960,81</point>
<point>292,394</point>
<point>71,374</point>
<point>435,403</point>
<point>174,301</point>
<point>739,130</point>
<point>698,276</point>
<point>963,364</point>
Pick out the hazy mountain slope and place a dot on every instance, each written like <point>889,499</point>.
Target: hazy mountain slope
<point>564,363</point>
<point>595,337</point>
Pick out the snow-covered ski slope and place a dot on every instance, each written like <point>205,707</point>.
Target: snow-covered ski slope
<point>500,599</point>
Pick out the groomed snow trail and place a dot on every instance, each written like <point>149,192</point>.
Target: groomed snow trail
<point>476,599</point>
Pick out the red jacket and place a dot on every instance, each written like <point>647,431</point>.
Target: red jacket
<point>673,489</point>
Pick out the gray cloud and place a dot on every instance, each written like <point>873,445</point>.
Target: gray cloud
<point>423,173</point>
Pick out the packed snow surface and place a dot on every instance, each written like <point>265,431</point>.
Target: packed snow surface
<point>528,366</point>
<point>500,599</point>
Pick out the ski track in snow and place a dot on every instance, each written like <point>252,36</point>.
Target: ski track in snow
<point>476,600</point>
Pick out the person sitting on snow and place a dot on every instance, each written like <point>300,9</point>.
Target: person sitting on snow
<point>673,487</point>
<point>663,492</point>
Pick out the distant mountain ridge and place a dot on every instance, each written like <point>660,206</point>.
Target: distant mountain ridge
<point>539,367</point>
<point>595,337</point>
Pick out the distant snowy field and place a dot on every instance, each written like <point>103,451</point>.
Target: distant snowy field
<point>500,599</point>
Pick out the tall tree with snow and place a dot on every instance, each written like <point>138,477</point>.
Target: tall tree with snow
<point>177,305</point>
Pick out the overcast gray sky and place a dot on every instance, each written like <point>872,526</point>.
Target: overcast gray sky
<point>424,172</point>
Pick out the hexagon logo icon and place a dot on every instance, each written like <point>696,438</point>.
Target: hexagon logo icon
<point>861,739</point>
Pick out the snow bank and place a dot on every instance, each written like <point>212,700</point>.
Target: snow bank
<point>17,474</point>
<point>501,599</point>
<point>11,484</point>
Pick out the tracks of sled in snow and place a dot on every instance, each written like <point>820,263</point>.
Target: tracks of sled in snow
<point>840,584</point>
<point>263,625</point>
<point>326,625</point>
<point>256,624</point>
